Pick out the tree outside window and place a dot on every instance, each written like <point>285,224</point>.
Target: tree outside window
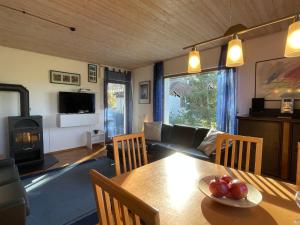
<point>191,100</point>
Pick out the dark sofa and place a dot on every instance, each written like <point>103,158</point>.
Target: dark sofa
<point>13,199</point>
<point>175,138</point>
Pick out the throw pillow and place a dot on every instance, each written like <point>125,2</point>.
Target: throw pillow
<point>153,131</point>
<point>208,145</point>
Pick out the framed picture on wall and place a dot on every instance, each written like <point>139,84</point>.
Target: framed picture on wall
<point>59,77</point>
<point>92,73</point>
<point>145,92</point>
<point>277,78</point>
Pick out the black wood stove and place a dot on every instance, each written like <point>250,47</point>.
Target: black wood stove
<point>25,132</point>
<point>26,139</point>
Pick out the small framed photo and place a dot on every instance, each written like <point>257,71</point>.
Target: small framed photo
<point>75,79</point>
<point>92,73</point>
<point>66,79</point>
<point>145,92</point>
<point>59,77</point>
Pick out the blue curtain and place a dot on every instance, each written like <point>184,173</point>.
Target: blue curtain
<point>158,91</point>
<point>114,76</point>
<point>129,109</point>
<point>105,99</point>
<point>226,96</point>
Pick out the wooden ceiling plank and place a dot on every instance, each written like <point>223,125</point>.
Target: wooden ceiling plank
<point>132,32</point>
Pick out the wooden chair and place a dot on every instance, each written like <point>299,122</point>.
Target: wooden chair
<point>298,166</point>
<point>232,140</point>
<point>134,154</point>
<point>117,206</point>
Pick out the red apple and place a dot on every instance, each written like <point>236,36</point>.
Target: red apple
<point>226,178</point>
<point>229,194</point>
<point>218,187</point>
<point>237,189</point>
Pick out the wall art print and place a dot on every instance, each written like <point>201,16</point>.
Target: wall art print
<point>278,78</point>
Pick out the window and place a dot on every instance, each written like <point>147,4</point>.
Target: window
<point>116,109</point>
<point>191,100</point>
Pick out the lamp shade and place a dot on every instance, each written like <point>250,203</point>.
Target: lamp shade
<point>194,65</point>
<point>292,46</point>
<point>235,55</point>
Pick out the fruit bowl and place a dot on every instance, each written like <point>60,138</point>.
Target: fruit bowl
<point>253,198</point>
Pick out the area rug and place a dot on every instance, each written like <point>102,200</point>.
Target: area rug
<point>65,196</point>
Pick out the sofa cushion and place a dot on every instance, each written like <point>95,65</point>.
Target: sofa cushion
<point>110,150</point>
<point>152,131</point>
<point>8,174</point>
<point>155,150</point>
<point>158,150</point>
<point>154,147</point>
<point>166,133</point>
<point>183,135</point>
<point>199,136</point>
<point>189,151</point>
<point>150,143</point>
<point>208,145</point>
<point>11,193</point>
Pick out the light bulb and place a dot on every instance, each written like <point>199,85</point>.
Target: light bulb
<point>235,53</point>
<point>194,61</point>
<point>294,39</point>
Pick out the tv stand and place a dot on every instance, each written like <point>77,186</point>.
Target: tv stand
<point>77,120</point>
<point>94,138</point>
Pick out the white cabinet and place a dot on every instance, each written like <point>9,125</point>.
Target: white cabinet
<point>77,120</point>
<point>93,138</point>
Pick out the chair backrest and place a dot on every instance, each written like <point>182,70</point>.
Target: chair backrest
<point>117,206</point>
<point>234,140</point>
<point>298,166</point>
<point>133,152</point>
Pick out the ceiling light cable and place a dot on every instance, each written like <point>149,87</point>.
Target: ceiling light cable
<point>38,17</point>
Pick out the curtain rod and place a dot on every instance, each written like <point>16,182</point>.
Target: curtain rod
<point>244,31</point>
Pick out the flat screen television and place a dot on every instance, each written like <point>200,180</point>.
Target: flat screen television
<point>76,102</point>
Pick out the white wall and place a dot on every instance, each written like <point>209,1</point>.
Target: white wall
<point>141,112</point>
<point>144,112</point>
<point>262,48</point>
<point>258,49</point>
<point>209,59</point>
<point>32,71</point>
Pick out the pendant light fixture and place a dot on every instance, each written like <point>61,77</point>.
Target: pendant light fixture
<point>235,55</point>
<point>292,46</point>
<point>194,65</point>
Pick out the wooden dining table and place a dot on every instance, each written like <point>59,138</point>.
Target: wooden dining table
<point>171,186</point>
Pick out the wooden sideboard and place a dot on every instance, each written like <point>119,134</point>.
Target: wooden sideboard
<point>279,145</point>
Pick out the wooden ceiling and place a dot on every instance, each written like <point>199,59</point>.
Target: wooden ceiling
<point>130,33</point>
